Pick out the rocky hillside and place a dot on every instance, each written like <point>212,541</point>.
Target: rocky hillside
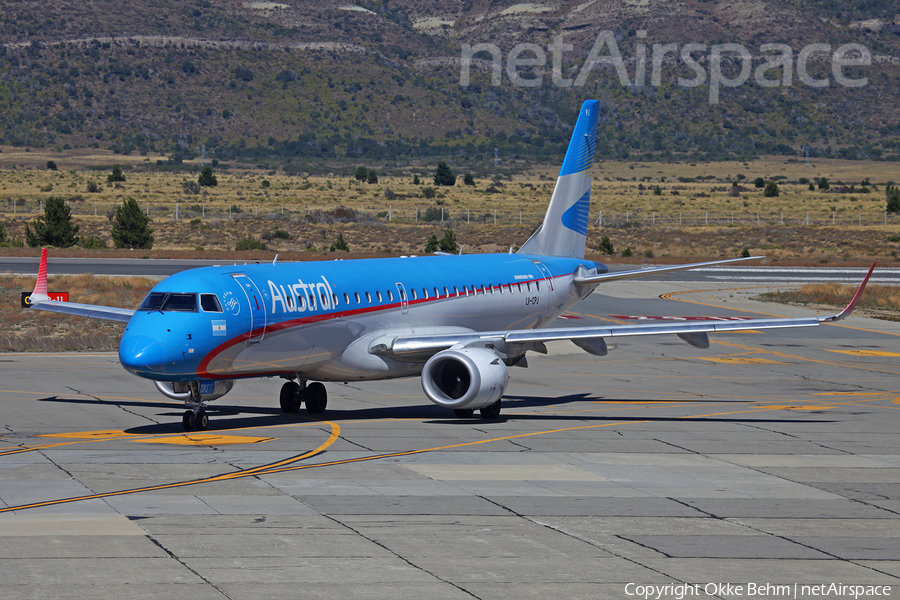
<point>290,83</point>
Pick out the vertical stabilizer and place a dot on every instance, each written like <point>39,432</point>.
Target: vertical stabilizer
<point>564,230</point>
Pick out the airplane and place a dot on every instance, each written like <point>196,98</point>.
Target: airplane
<point>457,321</point>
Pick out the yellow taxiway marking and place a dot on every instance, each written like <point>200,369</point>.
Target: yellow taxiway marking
<point>742,360</point>
<point>262,470</point>
<point>206,439</point>
<point>788,407</point>
<point>89,435</point>
<point>866,352</point>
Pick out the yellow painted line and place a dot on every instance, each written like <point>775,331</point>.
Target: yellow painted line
<point>802,358</point>
<point>845,394</point>
<point>335,434</point>
<point>89,435</point>
<point>810,407</point>
<point>206,439</point>
<point>867,353</point>
<point>738,360</point>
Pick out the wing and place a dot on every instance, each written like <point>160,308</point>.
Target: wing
<point>39,300</point>
<point>591,339</point>
<point>595,279</point>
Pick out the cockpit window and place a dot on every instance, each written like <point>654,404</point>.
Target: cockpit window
<point>210,303</point>
<point>176,302</point>
<point>153,301</point>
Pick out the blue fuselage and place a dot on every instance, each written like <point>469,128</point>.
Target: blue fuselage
<point>317,320</point>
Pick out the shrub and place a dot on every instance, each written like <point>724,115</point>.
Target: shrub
<point>4,237</point>
<point>893,199</point>
<point>361,174</point>
<point>434,213</point>
<point>281,234</point>
<point>191,187</point>
<point>823,184</point>
<point>51,165</point>
<point>657,191</point>
<point>340,244</point>
<point>93,187</point>
<point>771,190</point>
<point>372,176</point>
<point>116,175</point>
<point>627,252</point>
<point>266,183</point>
<point>416,180</point>
<point>248,243</point>
<point>606,246</point>
<point>468,179</point>
<point>429,192</point>
<point>93,243</point>
<point>759,182</point>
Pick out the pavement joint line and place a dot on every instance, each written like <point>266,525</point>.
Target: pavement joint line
<point>335,431</point>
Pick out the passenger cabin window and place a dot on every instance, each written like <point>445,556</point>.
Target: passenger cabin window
<point>334,298</point>
<point>368,297</point>
<point>390,296</point>
<point>356,295</point>
<point>437,294</point>
<point>174,302</point>
<point>210,303</point>
<point>528,285</point>
<point>414,296</point>
<point>455,291</point>
<point>537,284</point>
<point>346,298</point>
<point>378,295</point>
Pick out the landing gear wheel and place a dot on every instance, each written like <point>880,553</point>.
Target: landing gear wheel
<point>492,411</point>
<point>201,422</point>
<point>290,397</point>
<point>464,413</point>
<point>316,398</point>
<point>189,420</point>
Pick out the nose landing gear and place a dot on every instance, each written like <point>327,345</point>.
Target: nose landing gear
<point>195,417</point>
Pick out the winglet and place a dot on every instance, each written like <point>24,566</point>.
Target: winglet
<point>849,308</point>
<point>40,286</point>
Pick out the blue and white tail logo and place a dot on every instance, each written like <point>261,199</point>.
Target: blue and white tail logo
<point>564,230</point>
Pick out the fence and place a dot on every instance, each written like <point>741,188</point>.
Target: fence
<point>454,215</point>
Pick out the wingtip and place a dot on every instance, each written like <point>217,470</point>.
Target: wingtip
<point>40,286</point>
<point>848,310</point>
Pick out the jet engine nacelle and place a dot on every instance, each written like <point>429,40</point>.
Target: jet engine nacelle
<point>468,378</point>
<point>209,390</point>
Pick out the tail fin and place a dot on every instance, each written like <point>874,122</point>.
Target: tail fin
<point>564,230</point>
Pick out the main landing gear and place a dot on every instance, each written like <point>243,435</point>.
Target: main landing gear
<point>294,394</point>
<point>195,416</point>
<point>491,411</point>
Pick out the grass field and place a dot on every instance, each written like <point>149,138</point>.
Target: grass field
<point>697,213</point>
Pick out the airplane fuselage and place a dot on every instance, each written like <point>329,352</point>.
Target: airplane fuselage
<point>320,320</point>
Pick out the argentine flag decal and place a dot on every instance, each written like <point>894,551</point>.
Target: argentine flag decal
<point>218,328</point>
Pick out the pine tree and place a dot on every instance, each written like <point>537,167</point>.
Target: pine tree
<point>893,199</point>
<point>207,178</point>
<point>361,173</point>
<point>432,244</point>
<point>443,175</point>
<point>4,237</point>
<point>448,242</point>
<point>131,227</point>
<point>340,244</point>
<point>116,174</point>
<point>55,227</point>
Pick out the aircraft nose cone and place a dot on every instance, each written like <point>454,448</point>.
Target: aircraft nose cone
<point>141,354</point>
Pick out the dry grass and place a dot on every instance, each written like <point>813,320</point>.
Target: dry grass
<point>271,202</point>
<point>882,301</point>
<point>26,330</point>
